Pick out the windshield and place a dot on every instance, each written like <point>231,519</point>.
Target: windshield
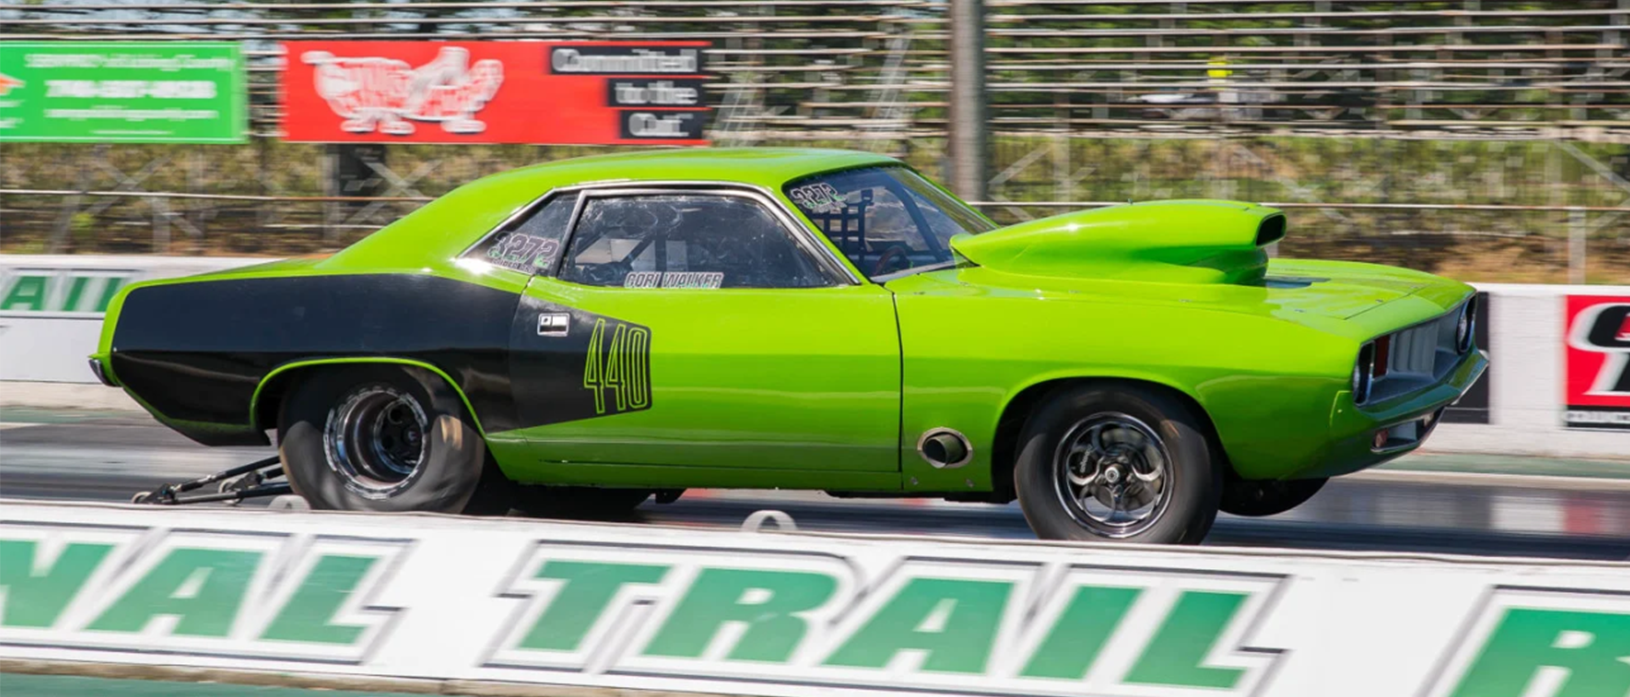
<point>885,219</point>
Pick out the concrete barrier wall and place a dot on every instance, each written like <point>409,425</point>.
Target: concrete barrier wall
<point>678,609</point>
<point>50,312</point>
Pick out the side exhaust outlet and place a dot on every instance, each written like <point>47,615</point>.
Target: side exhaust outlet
<point>945,448</point>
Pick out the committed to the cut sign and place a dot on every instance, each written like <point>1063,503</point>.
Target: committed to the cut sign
<point>1598,362</point>
<point>495,92</point>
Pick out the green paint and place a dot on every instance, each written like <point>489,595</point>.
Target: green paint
<point>763,600</point>
<point>968,614</point>
<point>216,578</point>
<point>799,388</point>
<point>109,291</point>
<point>76,288</point>
<point>38,599</point>
<point>27,293</point>
<point>1593,647</point>
<point>309,613</point>
<point>1175,654</point>
<point>186,92</point>
<point>1081,632</point>
<point>583,597</point>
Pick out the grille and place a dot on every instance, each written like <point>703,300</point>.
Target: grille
<point>1414,350</point>
<point>1414,358</point>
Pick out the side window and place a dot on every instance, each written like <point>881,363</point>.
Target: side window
<point>877,219</point>
<point>685,241</point>
<point>529,244</point>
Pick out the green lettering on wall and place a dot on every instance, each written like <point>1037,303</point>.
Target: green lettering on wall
<point>1080,633</point>
<point>764,600</point>
<point>309,614</point>
<point>202,588</point>
<point>588,589</point>
<point>953,620</point>
<point>27,293</point>
<point>1175,655</point>
<point>1593,647</point>
<point>38,599</point>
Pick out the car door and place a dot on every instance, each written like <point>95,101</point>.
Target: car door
<point>700,327</point>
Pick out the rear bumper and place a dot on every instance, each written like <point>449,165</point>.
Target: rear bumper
<point>101,372</point>
<point>1365,438</point>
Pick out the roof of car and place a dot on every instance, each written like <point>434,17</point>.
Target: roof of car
<point>769,167</point>
<point>447,225</point>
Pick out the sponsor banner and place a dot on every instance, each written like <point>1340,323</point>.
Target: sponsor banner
<point>1597,383</point>
<point>672,609</point>
<point>51,307</point>
<point>123,92</point>
<point>1473,407</point>
<point>495,92</point>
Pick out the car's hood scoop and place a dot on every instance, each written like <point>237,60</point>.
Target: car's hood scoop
<point>1195,241</point>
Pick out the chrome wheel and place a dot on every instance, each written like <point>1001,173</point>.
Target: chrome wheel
<point>376,440</point>
<point>1113,475</point>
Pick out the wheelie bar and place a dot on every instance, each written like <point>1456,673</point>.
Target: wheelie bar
<point>238,483</point>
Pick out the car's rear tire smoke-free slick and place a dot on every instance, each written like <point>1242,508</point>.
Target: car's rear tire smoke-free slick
<point>384,438</point>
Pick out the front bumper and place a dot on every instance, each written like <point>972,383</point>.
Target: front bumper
<point>1363,438</point>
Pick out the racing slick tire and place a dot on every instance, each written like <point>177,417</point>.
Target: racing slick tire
<point>389,439</point>
<point>1117,462</point>
<point>1257,498</point>
<point>578,502</point>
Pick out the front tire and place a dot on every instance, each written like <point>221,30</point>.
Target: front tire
<point>1117,462</point>
<point>384,438</point>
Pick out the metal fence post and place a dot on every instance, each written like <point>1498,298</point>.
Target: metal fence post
<point>968,146</point>
<point>1576,246</point>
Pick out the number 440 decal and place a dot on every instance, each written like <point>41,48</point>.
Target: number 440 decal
<point>623,367</point>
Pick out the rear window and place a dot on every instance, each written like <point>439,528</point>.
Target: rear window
<point>531,243</point>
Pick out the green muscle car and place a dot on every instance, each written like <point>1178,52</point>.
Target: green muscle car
<point>575,337</point>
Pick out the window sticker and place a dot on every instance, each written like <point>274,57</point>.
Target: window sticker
<point>819,197</point>
<point>674,279</point>
<point>524,253</point>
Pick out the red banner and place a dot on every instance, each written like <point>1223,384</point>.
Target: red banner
<point>558,93</point>
<point>1598,361</point>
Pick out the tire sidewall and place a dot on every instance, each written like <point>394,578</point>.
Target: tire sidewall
<point>445,482</point>
<point>1189,512</point>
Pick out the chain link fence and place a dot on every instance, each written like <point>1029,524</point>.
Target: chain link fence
<point>1484,138</point>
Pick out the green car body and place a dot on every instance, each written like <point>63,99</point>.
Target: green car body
<point>828,386</point>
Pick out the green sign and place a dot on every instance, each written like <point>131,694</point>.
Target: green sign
<point>122,92</point>
<point>85,291</point>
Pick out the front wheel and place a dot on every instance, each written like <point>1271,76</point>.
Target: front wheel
<point>1117,462</point>
<point>385,438</point>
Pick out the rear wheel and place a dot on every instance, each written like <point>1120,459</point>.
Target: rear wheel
<point>1270,497</point>
<point>385,438</point>
<point>578,502</point>
<point>1117,462</point>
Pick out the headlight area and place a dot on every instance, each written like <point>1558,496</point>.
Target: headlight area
<point>1364,373</point>
<point>1466,325</point>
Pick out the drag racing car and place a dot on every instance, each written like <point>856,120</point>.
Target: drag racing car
<point>577,337</point>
